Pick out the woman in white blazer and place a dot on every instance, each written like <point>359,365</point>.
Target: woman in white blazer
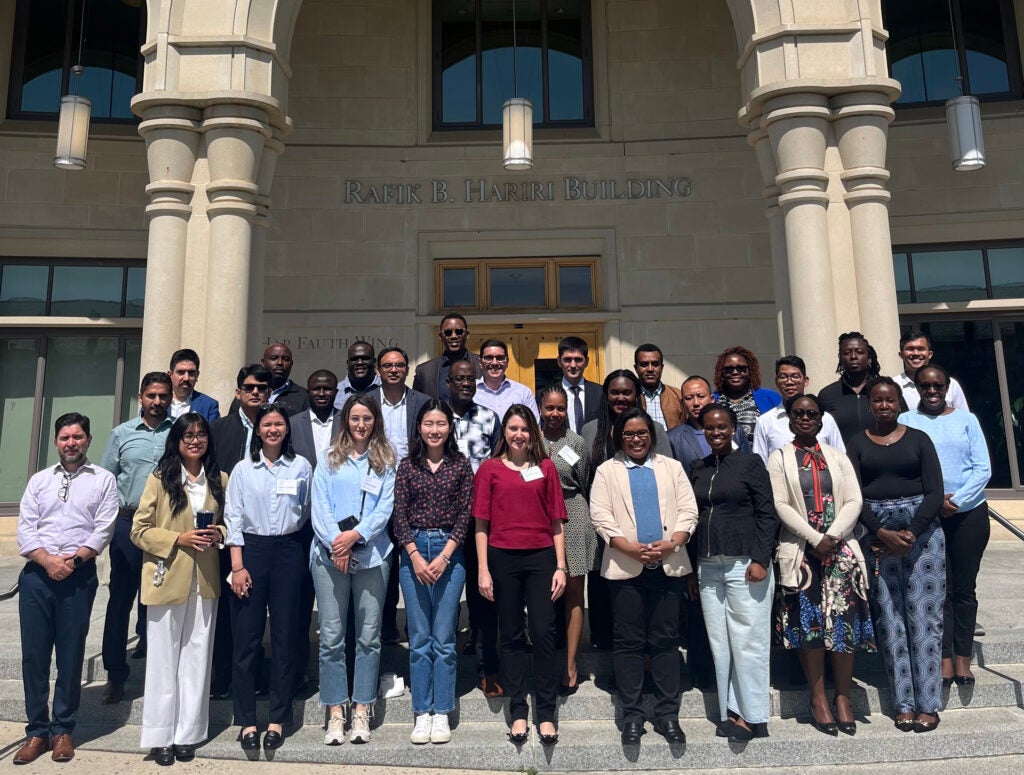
<point>821,566</point>
<point>642,506</point>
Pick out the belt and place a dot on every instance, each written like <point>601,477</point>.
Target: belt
<point>127,513</point>
<point>653,565</point>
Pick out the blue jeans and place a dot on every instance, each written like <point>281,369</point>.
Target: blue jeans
<point>738,616</point>
<point>432,615</point>
<point>334,589</point>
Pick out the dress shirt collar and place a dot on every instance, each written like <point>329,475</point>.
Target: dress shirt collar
<point>86,467</point>
<point>141,424</point>
<point>904,379</point>
<point>400,402</point>
<point>655,393</point>
<point>482,385</point>
<point>245,420</point>
<point>282,462</point>
<point>630,463</point>
<point>186,478</point>
<point>569,386</point>
<point>313,419</point>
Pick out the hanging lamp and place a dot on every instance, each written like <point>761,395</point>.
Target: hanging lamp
<point>75,113</point>
<point>963,119</point>
<point>517,118</point>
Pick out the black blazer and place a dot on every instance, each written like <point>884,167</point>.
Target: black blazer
<point>302,434</point>
<point>592,395</point>
<point>229,441</point>
<point>294,400</point>
<point>425,379</point>
<point>414,400</point>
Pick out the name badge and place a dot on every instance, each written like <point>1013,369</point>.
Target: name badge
<point>532,473</point>
<point>287,486</point>
<point>372,484</point>
<point>568,456</point>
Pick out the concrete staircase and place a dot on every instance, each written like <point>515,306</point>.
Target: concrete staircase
<point>986,719</point>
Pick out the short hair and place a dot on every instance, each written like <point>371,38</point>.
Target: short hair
<point>184,355</point>
<point>715,407</point>
<point>71,418</point>
<point>453,316</point>
<point>753,367</point>
<point>320,374</point>
<point>633,413</point>
<point>913,334</point>
<point>883,380</point>
<point>647,348</point>
<point>360,342</point>
<point>456,363</point>
<point>554,387</point>
<point>696,377</point>
<point>493,343</point>
<point>873,368</point>
<point>933,365</point>
<point>573,343</point>
<point>791,360</point>
<point>155,377</point>
<point>388,350</point>
<point>257,370</point>
<point>788,403</point>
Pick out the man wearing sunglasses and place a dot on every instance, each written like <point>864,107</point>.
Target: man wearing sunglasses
<point>432,377</point>
<point>131,455</point>
<point>772,431</point>
<point>66,518</point>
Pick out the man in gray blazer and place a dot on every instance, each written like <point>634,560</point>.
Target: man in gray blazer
<point>314,429</point>
<point>431,377</point>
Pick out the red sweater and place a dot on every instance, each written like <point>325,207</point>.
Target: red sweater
<point>520,512</point>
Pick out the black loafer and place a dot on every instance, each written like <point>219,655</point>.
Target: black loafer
<point>250,741</point>
<point>163,756</point>
<point>184,753</point>
<point>670,730</point>
<point>272,740</point>
<point>631,732</point>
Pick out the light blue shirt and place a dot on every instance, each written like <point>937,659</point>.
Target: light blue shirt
<point>643,490</point>
<point>396,427</point>
<point>507,393</point>
<point>265,500</point>
<point>339,493</point>
<point>963,454</point>
<point>132,453</point>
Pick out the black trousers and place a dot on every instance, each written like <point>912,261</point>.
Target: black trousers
<point>389,613</point>
<point>125,576</point>
<point>483,615</point>
<point>275,565</point>
<point>54,614</point>
<point>305,602</point>
<point>599,609</point>
<point>967,536</point>
<point>646,614</point>
<point>523,576</point>
<point>699,662</point>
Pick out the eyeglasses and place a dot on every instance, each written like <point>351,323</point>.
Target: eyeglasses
<point>788,377</point>
<point>467,380</point>
<point>801,414</point>
<point>638,435</point>
<point>493,358</point>
<point>257,388</point>
<point>453,332</point>
<point>393,366</point>
<point>735,369</point>
<point>189,438</point>
<point>65,486</point>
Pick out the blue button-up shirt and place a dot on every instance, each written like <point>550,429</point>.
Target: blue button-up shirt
<point>132,453</point>
<point>60,527</point>
<point>507,393</point>
<point>267,500</point>
<point>337,494</point>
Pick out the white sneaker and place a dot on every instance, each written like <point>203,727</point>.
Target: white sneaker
<point>421,730</point>
<point>440,732</point>
<point>335,734</point>
<point>360,727</point>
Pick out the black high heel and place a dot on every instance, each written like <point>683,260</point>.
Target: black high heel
<point>829,728</point>
<point>964,680</point>
<point>518,738</point>
<point>846,727</point>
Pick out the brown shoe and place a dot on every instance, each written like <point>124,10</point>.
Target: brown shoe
<point>490,687</point>
<point>34,748</point>
<point>63,750</point>
<point>113,691</point>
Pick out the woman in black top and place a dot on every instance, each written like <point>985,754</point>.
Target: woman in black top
<point>901,481</point>
<point>736,535</point>
<point>846,398</point>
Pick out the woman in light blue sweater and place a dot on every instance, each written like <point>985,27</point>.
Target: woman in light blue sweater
<point>963,454</point>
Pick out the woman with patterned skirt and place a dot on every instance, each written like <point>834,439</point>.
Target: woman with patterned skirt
<point>821,568</point>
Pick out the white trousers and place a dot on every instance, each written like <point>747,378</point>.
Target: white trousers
<point>176,705</point>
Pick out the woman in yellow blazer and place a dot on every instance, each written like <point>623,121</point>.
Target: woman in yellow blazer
<point>821,566</point>
<point>179,526</point>
<point>642,505</point>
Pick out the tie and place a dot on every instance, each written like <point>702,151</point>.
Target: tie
<point>577,408</point>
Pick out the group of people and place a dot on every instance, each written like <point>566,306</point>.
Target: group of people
<point>680,515</point>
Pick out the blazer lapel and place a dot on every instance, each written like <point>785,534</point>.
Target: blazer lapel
<point>627,501</point>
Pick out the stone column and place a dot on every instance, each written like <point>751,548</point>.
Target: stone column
<point>797,126</point>
<point>235,137</point>
<point>758,139</point>
<point>861,123</point>
<point>265,177</point>
<point>172,145</point>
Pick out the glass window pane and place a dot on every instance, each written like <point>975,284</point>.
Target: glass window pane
<point>87,291</point>
<point>920,49</point>
<point>519,286</point>
<point>23,290</point>
<point>565,60</point>
<point>132,378</point>
<point>1006,270</point>
<point>985,46</point>
<point>497,66</point>
<point>136,294</point>
<point>44,55</point>
<point>17,402</point>
<point>575,286</point>
<point>900,269</point>
<point>458,61</point>
<point>80,372</point>
<point>459,289</point>
<point>949,275</point>
<point>1013,353</point>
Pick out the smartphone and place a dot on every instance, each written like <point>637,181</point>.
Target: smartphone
<point>348,523</point>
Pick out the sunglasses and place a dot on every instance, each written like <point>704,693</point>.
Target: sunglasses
<point>801,414</point>
<point>735,369</point>
<point>258,388</point>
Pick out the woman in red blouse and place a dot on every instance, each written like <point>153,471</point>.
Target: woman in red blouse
<point>519,510</point>
<point>433,491</point>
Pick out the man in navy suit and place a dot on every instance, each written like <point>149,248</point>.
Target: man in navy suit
<point>431,377</point>
<point>584,396</point>
<point>184,373</point>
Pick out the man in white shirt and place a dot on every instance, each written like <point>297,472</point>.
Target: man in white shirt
<point>772,430</point>
<point>496,391</point>
<point>314,429</point>
<point>584,396</point>
<point>916,353</point>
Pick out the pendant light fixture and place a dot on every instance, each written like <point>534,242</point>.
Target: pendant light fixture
<point>75,112</point>
<point>963,119</point>
<point>517,118</point>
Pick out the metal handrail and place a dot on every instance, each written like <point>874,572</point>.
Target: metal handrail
<point>1010,527</point>
<point>9,593</point>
